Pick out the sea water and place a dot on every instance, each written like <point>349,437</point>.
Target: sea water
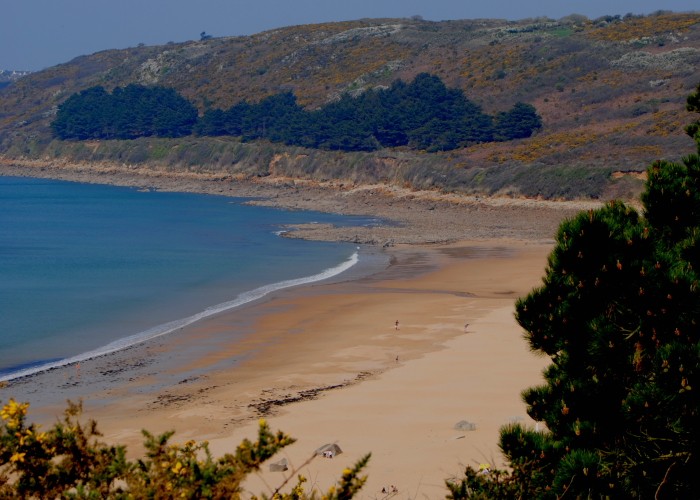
<point>90,269</point>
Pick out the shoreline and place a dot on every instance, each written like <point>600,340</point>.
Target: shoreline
<point>369,386</point>
<point>324,362</point>
<point>343,271</point>
<point>418,217</point>
<point>144,358</point>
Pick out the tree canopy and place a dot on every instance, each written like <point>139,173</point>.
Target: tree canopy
<point>127,113</point>
<point>423,114</point>
<point>618,313</point>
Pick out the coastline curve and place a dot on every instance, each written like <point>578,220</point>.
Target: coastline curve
<point>172,326</point>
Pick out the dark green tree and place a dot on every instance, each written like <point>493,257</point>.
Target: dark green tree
<point>519,122</point>
<point>618,313</point>
<point>346,124</point>
<point>127,113</point>
<point>273,118</point>
<point>216,122</point>
<point>422,114</point>
<point>212,123</point>
<point>693,105</point>
<point>82,115</point>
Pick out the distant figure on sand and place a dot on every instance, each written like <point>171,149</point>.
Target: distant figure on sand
<point>397,324</point>
<point>466,325</point>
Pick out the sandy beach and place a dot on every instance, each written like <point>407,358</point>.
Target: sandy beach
<point>327,363</point>
<point>405,411</point>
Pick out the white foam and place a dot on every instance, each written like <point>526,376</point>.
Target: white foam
<point>164,329</point>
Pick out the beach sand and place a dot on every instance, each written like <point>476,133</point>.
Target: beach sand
<point>307,350</point>
<point>405,414</point>
<point>325,363</point>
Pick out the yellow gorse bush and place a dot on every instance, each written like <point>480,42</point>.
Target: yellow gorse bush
<point>13,410</point>
<point>69,460</point>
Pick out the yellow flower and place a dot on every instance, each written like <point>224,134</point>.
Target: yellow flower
<point>176,468</point>
<point>17,457</point>
<point>13,410</point>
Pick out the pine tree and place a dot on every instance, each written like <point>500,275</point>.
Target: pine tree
<point>618,313</point>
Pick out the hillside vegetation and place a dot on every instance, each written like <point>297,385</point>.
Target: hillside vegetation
<point>611,94</point>
<point>423,115</point>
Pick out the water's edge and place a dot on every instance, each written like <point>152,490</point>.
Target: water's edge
<point>166,328</point>
<point>47,362</point>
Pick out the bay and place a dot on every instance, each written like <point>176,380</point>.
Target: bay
<point>88,269</point>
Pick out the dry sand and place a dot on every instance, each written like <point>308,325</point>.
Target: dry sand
<point>326,363</point>
<point>405,415</point>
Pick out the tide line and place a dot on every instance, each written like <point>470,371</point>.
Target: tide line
<point>166,328</point>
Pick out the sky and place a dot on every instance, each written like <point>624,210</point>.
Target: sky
<point>36,34</point>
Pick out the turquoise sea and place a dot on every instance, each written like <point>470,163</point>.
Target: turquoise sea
<point>90,269</point>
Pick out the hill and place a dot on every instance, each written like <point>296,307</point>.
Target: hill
<point>9,76</point>
<point>611,93</point>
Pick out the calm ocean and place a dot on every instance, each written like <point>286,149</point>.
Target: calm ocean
<point>89,269</point>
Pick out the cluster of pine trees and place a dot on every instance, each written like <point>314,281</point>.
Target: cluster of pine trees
<point>127,113</point>
<point>423,114</point>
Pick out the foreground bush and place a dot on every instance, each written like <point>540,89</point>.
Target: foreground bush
<point>618,313</point>
<point>68,461</point>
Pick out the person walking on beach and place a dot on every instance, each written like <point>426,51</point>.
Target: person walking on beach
<point>397,324</point>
